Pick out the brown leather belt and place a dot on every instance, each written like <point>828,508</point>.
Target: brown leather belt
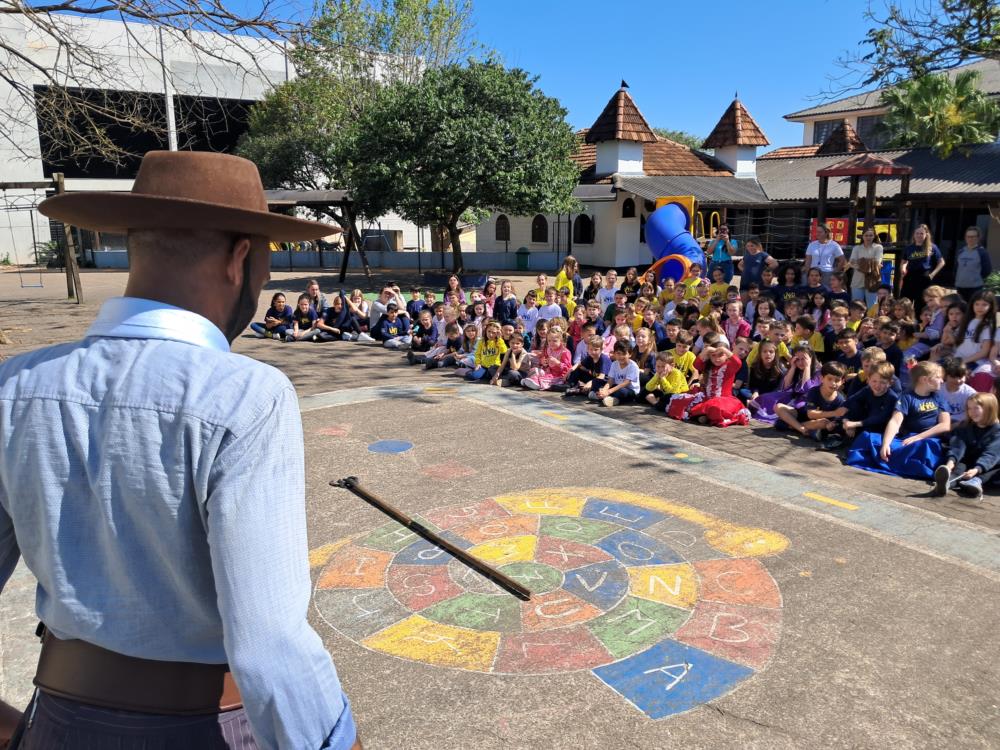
<point>90,674</point>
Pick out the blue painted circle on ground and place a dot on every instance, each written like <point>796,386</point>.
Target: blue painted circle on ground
<point>390,446</point>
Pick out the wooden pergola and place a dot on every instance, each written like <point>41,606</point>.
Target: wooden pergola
<point>870,167</point>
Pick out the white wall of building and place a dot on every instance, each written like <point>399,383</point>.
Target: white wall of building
<point>623,157</point>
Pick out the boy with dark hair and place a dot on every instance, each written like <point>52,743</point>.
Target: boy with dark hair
<point>856,312</point>
<point>823,408</point>
<point>622,384</point>
<point>424,336</point>
<point>394,329</point>
<point>848,354</point>
<point>667,381</point>
<point>591,371</point>
<point>887,335</point>
<point>805,333</point>
<point>621,299</point>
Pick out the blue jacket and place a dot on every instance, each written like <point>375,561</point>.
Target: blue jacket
<point>505,311</point>
<point>974,446</point>
<point>392,329</point>
<point>873,411</point>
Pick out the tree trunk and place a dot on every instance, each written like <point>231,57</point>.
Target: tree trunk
<point>456,247</point>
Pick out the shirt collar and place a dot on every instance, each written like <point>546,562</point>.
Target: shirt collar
<point>136,318</point>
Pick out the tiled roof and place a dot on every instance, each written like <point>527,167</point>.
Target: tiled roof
<point>708,190</point>
<point>790,152</point>
<point>978,174</point>
<point>621,120</point>
<point>989,82</point>
<point>736,128</point>
<point>844,139</point>
<point>663,157</point>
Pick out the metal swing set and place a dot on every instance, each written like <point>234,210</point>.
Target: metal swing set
<point>18,204</point>
<point>12,204</point>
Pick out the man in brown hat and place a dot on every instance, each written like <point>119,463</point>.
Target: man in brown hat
<point>153,482</point>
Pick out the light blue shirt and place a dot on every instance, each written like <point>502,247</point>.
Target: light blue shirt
<point>140,480</point>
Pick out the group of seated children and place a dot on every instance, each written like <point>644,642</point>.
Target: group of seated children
<point>908,390</point>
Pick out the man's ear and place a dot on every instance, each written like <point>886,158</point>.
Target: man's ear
<point>235,261</point>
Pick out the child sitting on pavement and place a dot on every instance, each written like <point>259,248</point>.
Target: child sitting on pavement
<point>667,381</point>
<point>921,417</point>
<point>514,366</point>
<point>973,456</point>
<point>590,369</point>
<point>622,384</point>
<point>823,408</point>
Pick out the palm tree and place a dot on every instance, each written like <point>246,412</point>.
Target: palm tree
<point>940,112</point>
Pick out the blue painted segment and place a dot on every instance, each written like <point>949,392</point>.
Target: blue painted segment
<point>670,678</point>
<point>451,536</point>
<point>635,548</point>
<point>422,553</point>
<point>602,584</point>
<point>390,446</point>
<point>622,514</point>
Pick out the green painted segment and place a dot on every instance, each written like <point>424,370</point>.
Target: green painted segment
<point>537,577</point>
<point>478,611</point>
<point>576,529</point>
<point>634,624</point>
<point>392,537</point>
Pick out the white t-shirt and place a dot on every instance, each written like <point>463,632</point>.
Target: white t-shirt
<point>970,345</point>
<point>548,312</point>
<point>606,297</point>
<point>823,254</point>
<point>956,400</point>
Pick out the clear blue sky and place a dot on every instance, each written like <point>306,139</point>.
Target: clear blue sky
<point>682,60</point>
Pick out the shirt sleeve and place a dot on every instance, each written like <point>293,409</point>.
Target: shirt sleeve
<point>9,551</point>
<point>257,539</point>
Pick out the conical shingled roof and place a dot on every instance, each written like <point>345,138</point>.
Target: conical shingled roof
<point>844,139</point>
<point>621,120</point>
<point>736,128</point>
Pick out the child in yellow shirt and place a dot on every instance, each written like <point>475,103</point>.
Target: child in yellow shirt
<point>666,381</point>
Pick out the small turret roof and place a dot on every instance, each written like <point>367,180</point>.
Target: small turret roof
<point>621,120</point>
<point>736,127</point>
<point>843,139</point>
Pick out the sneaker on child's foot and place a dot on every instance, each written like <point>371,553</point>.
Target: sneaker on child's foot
<point>258,334</point>
<point>268,335</point>
<point>530,383</point>
<point>365,337</point>
<point>609,401</point>
<point>971,489</point>
<point>347,337</point>
<point>573,391</point>
<point>409,357</point>
<point>831,443</point>
<point>942,475</point>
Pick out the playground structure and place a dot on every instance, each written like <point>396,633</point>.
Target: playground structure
<point>668,234</point>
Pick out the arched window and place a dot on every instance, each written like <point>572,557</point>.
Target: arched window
<point>642,229</point>
<point>503,229</point>
<point>539,229</point>
<point>583,230</point>
<point>628,209</point>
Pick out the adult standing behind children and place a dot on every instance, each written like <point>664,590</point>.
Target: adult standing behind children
<point>141,439</point>
<point>720,251</point>
<point>922,262</point>
<point>753,263</point>
<point>972,264</point>
<point>825,254</point>
<point>866,260</point>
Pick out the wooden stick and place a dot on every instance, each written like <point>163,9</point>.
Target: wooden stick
<point>511,586</point>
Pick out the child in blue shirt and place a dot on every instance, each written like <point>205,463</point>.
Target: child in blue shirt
<point>590,372</point>
<point>910,446</point>
<point>973,451</point>
<point>304,321</point>
<point>424,336</point>
<point>394,329</point>
<point>277,320</point>
<point>823,408</point>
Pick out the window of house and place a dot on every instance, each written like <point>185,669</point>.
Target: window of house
<point>628,209</point>
<point>870,132</point>
<point>642,229</point>
<point>583,230</point>
<point>539,229</point>
<point>503,229</point>
<point>823,128</point>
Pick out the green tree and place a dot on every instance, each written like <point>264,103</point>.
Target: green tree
<point>940,112</point>
<point>465,139</point>
<point>912,40</point>
<point>680,136</point>
<point>301,134</point>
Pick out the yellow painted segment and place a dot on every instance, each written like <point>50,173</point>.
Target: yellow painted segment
<point>546,502</point>
<point>829,501</point>
<point>431,642</point>
<point>729,538</point>
<point>561,417</point>
<point>322,555</point>
<point>507,549</point>
<point>676,585</point>
<point>440,389</point>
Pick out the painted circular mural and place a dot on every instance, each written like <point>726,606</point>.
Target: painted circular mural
<point>667,605</point>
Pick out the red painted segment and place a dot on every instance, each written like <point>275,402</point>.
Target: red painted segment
<point>452,516</point>
<point>743,580</point>
<point>419,586</point>
<point>561,650</point>
<point>567,555</point>
<point>745,635</point>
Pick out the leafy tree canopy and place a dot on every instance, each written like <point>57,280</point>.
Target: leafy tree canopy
<point>940,112</point>
<point>464,138</point>
<point>680,136</point>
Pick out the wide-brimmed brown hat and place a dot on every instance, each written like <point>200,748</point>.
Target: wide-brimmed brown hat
<point>185,190</point>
